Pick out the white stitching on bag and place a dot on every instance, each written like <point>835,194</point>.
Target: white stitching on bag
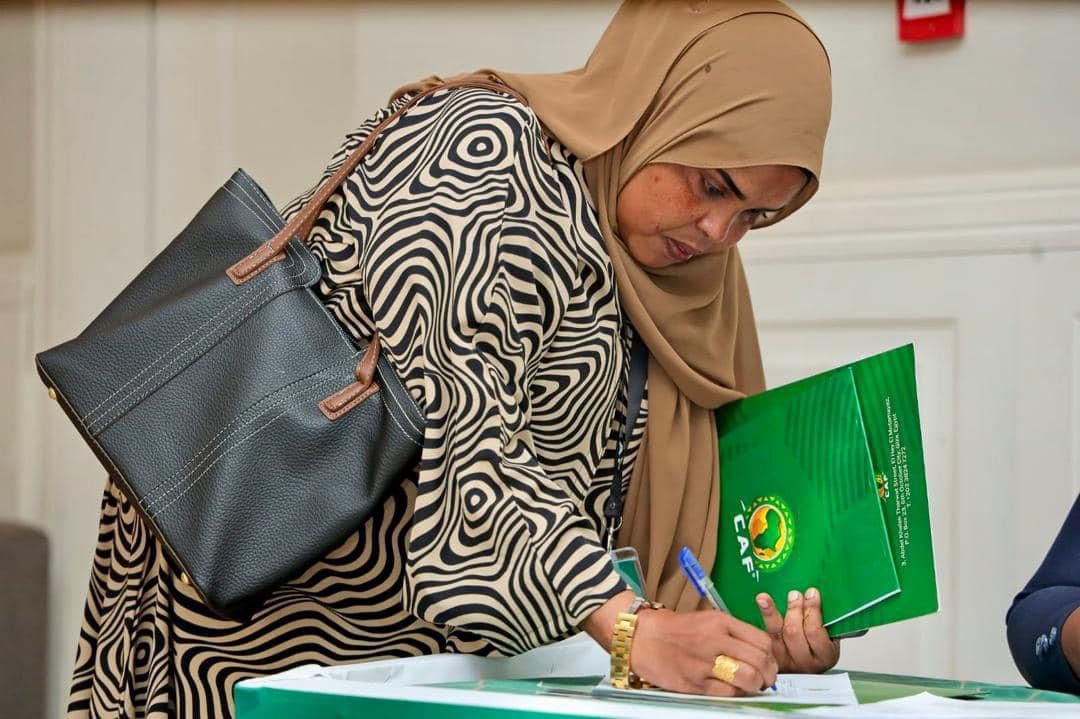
<point>274,221</point>
<point>247,300</point>
<point>278,396</point>
<point>161,512</point>
<point>259,200</point>
<point>405,414</point>
<point>125,403</point>
<point>278,402</point>
<point>255,199</point>
<point>92,416</point>
<point>390,414</point>
<point>88,417</point>
<point>248,207</point>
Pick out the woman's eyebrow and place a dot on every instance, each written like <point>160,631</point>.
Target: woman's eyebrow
<point>739,193</point>
<point>731,185</point>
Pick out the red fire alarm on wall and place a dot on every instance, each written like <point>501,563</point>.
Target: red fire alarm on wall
<point>922,20</point>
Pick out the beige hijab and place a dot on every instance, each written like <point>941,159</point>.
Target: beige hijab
<point>703,84</point>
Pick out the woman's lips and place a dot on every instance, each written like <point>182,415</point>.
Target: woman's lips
<point>677,251</point>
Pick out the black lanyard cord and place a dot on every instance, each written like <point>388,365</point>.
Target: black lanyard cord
<point>635,391</point>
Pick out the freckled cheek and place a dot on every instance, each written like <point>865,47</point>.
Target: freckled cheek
<point>667,208</point>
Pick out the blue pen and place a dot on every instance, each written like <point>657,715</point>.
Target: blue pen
<point>700,579</point>
<point>704,586</point>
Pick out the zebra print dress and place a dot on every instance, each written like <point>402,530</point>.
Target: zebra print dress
<point>467,240</point>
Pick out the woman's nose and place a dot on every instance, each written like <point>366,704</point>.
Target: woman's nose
<point>722,229</point>
<point>715,226</point>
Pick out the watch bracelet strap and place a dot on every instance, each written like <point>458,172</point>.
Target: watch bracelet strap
<point>622,676</point>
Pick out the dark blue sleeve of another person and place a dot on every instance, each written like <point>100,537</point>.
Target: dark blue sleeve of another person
<point>1037,613</point>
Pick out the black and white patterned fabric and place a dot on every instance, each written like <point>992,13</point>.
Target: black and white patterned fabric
<point>467,241</point>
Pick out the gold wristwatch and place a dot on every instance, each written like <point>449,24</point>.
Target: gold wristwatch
<point>622,639</point>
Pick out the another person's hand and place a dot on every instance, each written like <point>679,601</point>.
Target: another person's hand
<point>799,640</point>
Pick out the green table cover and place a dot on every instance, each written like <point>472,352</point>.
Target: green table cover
<point>264,700</point>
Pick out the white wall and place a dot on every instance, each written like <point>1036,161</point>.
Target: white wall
<point>1003,97</point>
<point>949,215</point>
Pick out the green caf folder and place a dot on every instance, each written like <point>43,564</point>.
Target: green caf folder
<point>822,484</point>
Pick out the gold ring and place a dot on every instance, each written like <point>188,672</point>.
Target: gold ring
<point>724,668</point>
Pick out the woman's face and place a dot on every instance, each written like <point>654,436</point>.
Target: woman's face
<point>668,214</point>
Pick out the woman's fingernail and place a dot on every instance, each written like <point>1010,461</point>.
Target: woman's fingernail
<point>811,593</point>
<point>763,601</point>
<point>793,596</point>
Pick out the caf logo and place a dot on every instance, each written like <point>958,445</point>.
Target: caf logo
<point>772,532</point>
<point>882,483</point>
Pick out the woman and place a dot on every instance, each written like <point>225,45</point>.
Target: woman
<point>506,255</point>
<point>1044,620</point>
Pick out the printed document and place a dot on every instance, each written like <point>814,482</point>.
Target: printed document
<point>820,689</point>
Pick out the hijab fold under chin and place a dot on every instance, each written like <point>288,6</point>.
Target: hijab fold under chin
<point>704,84</point>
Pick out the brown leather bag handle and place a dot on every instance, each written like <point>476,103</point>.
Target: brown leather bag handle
<point>273,250</point>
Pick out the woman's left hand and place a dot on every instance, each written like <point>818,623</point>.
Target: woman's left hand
<point>799,641</point>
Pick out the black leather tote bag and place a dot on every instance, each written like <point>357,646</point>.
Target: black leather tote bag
<point>239,420</point>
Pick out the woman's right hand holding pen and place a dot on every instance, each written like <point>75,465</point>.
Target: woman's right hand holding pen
<point>676,651</point>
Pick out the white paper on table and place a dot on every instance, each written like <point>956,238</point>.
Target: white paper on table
<point>833,689</point>
<point>930,706</point>
<point>578,656</point>
<point>384,680</point>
